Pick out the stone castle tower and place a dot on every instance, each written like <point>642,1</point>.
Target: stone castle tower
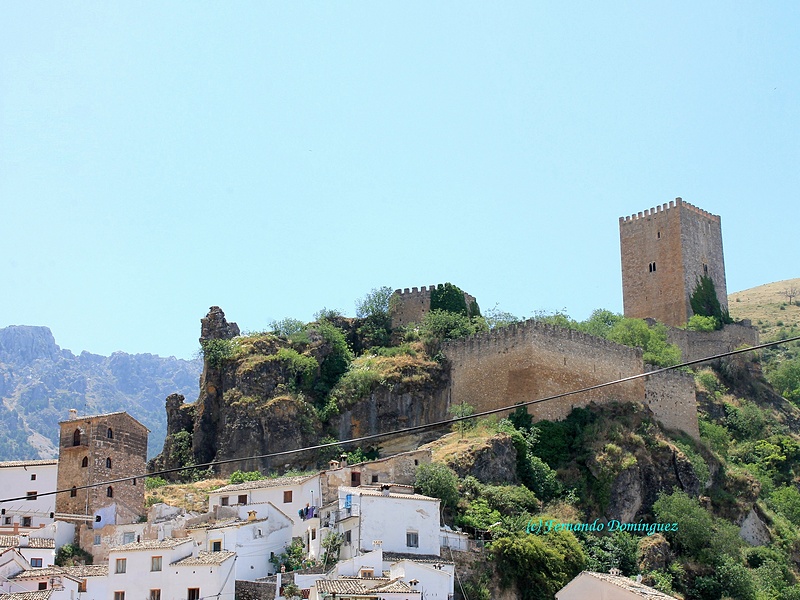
<point>98,449</point>
<point>411,305</point>
<point>665,250</point>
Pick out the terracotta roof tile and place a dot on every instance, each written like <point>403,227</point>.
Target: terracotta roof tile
<point>37,595</point>
<point>630,585</point>
<point>265,483</point>
<point>204,558</point>
<point>28,463</point>
<point>152,544</point>
<point>12,541</point>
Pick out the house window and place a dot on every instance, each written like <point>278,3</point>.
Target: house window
<point>355,478</point>
<point>108,463</point>
<point>119,595</point>
<point>155,563</point>
<point>348,536</point>
<point>287,496</point>
<point>155,594</point>
<point>97,540</point>
<point>110,492</point>
<point>36,562</point>
<point>242,498</point>
<point>374,479</point>
<point>193,594</point>
<point>6,520</point>
<point>313,533</point>
<point>31,496</point>
<point>216,546</point>
<point>73,492</point>
<point>128,537</point>
<point>412,539</point>
<point>76,437</point>
<point>26,521</point>
<point>42,584</point>
<point>367,572</point>
<point>110,434</point>
<point>121,565</point>
<point>33,476</point>
<point>224,501</point>
<point>85,462</point>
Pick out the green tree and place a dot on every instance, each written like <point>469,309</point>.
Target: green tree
<point>462,410</point>
<point>439,481</point>
<point>287,327</point>
<point>786,379</point>
<point>702,323</point>
<point>496,318</point>
<point>70,555</point>
<point>450,298</point>
<point>375,303</point>
<point>704,301</point>
<point>651,339</point>
<point>600,323</point>
<point>331,544</point>
<point>336,362</point>
<point>539,565</point>
<point>440,325</point>
<point>242,476</point>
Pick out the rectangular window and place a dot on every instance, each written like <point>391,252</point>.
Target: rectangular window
<point>287,496</point>
<point>355,479</point>
<point>348,536</point>
<point>155,563</point>
<point>242,498</point>
<point>42,585</point>
<point>155,594</point>
<point>412,539</point>
<point>374,479</point>
<point>26,521</point>
<point>128,537</point>
<point>223,501</point>
<point>97,540</point>
<point>121,565</point>
<point>36,562</point>
<point>6,520</point>
<point>31,496</point>
<point>119,595</point>
<point>193,594</point>
<point>33,476</point>
<point>216,546</point>
<point>313,533</point>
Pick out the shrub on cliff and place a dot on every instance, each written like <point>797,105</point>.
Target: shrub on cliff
<point>440,325</point>
<point>439,481</point>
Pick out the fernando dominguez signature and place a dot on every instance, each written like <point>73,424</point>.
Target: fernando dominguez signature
<point>545,526</point>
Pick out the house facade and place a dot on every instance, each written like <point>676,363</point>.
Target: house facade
<point>28,480</point>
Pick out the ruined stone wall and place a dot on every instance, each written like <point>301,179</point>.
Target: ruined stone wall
<point>695,345</point>
<point>400,468</point>
<point>671,397</point>
<point>664,250</point>
<point>255,590</point>
<point>411,305</point>
<point>531,360</point>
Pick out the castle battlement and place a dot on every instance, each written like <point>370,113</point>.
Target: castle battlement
<point>422,291</point>
<point>677,203</point>
<point>517,334</point>
<point>411,305</point>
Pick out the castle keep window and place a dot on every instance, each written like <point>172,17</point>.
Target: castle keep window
<point>108,463</point>
<point>85,462</point>
<point>110,434</point>
<point>76,438</point>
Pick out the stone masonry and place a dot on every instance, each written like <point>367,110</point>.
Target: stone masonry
<point>94,450</point>
<point>410,306</point>
<point>665,250</point>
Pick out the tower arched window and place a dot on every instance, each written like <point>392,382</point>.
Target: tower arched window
<point>85,462</point>
<point>76,437</point>
<point>110,433</point>
<point>110,492</point>
<point>108,463</point>
<point>73,492</point>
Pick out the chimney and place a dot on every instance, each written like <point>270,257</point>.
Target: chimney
<point>334,464</point>
<point>385,490</point>
<point>343,459</point>
<point>251,515</point>
<point>73,414</point>
<point>615,572</point>
<point>24,540</point>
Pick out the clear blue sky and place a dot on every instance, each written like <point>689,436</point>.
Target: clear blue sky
<point>157,158</point>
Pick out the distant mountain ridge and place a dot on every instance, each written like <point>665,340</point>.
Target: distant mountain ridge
<point>40,382</point>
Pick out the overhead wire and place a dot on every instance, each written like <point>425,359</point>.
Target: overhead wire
<point>424,426</point>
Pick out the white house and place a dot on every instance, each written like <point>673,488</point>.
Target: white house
<point>402,520</point>
<point>169,569</point>
<point>297,497</point>
<point>39,595</point>
<point>255,540</point>
<point>28,479</point>
<point>589,585</point>
<point>63,585</point>
<point>39,552</point>
<point>11,563</point>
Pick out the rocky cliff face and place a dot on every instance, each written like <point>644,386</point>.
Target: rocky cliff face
<point>40,382</point>
<point>253,402</point>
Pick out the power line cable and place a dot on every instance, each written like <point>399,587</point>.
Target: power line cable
<point>423,427</point>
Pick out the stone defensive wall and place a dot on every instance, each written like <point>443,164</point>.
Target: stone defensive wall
<point>671,397</point>
<point>677,203</point>
<point>695,345</point>
<point>532,360</point>
<point>411,305</point>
